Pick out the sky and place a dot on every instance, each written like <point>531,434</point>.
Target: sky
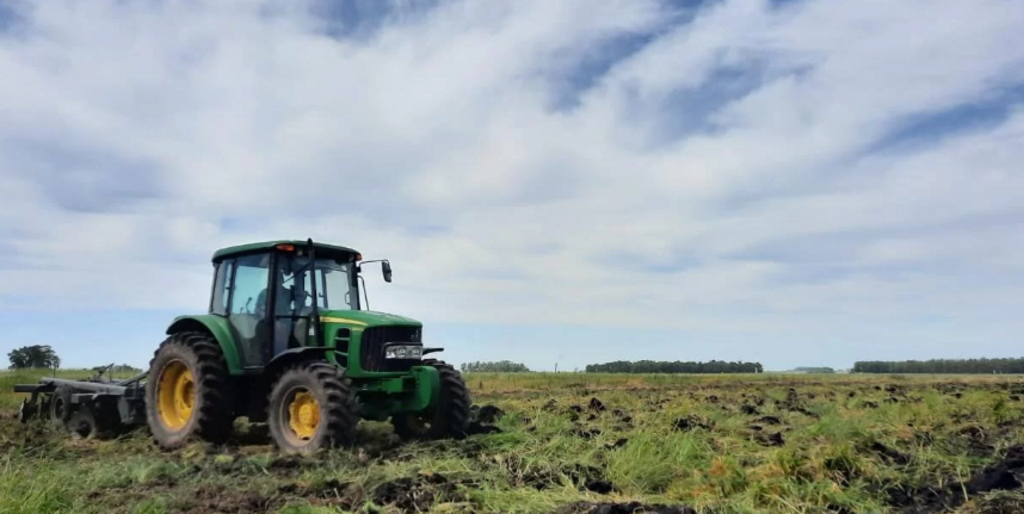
<point>798,183</point>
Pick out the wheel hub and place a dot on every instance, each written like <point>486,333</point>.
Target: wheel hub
<point>176,395</point>
<point>303,415</point>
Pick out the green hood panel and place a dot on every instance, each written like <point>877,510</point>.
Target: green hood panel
<point>365,318</point>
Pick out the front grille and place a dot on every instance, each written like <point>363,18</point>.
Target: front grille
<point>371,349</point>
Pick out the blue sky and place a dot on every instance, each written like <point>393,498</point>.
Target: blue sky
<point>808,182</point>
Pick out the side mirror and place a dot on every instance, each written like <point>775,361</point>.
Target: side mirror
<point>385,267</point>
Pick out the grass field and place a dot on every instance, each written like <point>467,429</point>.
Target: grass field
<point>571,443</point>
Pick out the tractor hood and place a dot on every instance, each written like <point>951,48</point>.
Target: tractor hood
<point>365,318</point>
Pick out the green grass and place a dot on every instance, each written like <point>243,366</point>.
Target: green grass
<point>543,457</point>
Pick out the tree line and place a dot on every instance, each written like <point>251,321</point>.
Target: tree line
<point>814,369</point>
<point>942,366</point>
<point>43,356</point>
<point>494,367</point>
<point>647,366</point>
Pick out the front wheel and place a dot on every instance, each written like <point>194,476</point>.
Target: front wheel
<point>448,417</point>
<point>312,406</point>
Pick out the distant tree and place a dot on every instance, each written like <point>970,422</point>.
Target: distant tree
<point>35,356</point>
<point>494,367</point>
<point>975,366</point>
<point>647,366</point>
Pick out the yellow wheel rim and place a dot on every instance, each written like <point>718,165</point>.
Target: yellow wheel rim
<point>176,395</point>
<point>303,415</point>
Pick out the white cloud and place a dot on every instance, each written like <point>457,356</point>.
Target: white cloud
<point>135,139</point>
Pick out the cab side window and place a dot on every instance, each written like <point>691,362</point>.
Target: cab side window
<point>221,287</point>
<point>249,294</point>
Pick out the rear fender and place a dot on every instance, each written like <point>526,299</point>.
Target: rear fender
<point>216,326</point>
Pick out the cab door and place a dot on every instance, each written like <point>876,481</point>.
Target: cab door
<point>248,311</point>
<point>292,308</point>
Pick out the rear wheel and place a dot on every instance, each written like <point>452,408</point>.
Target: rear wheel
<point>86,423</point>
<point>188,393</point>
<point>82,424</point>
<point>94,421</point>
<point>448,418</point>
<point>312,406</point>
<point>60,406</point>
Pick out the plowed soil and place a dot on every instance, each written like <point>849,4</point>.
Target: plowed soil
<point>575,443</point>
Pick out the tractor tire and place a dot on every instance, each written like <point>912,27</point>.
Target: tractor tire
<point>312,406</point>
<point>189,393</point>
<point>60,406</point>
<point>450,415</point>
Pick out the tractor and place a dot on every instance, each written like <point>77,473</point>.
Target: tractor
<point>287,341</point>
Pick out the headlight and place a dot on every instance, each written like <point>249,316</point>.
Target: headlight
<point>403,352</point>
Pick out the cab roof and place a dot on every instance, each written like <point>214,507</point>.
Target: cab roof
<point>266,246</point>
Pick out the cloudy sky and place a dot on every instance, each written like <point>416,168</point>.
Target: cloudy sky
<point>793,182</point>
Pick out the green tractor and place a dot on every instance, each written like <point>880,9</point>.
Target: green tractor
<point>288,342</point>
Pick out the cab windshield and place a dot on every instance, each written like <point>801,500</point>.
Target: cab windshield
<point>335,287</point>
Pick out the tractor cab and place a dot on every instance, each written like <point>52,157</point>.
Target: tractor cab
<point>272,293</point>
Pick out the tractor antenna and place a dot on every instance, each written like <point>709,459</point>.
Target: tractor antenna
<point>312,281</point>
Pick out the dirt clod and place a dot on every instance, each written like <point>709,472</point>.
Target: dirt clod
<point>839,509</point>
<point>488,414</point>
<point>628,508</point>
<point>890,454</point>
<point>769,420</point>
<point>599,486</point>
<point>688,423</point>
<point>416,494</point>
<point>749,410</point>
<point>596,405</point>
<point>619,443</point>
<point>622,415</point>
<point>475,427</point>
<point>771,439</point>
<point>805,412</point>
<point>586,433</point>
